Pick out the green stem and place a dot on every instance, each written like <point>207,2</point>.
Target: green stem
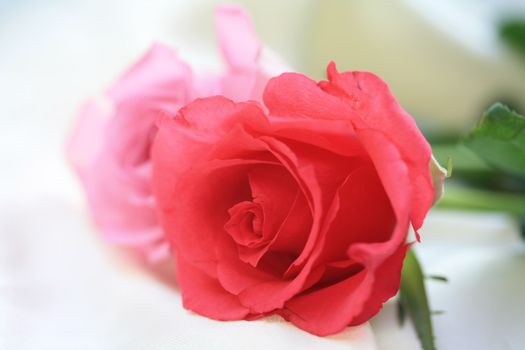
<point>475,199</point>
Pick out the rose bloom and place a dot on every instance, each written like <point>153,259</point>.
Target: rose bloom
<point>301,211</point>
<point>110,144</point>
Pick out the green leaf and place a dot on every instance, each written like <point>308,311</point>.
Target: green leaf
<point>499,139</point>
<point>522,226</point>
<point>413,298</point>
<point>512,31</point>
<point>400,313</point>
<point>462,158</point>
<point>438,278</point>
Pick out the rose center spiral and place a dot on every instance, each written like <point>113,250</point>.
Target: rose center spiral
<point>245,225</point>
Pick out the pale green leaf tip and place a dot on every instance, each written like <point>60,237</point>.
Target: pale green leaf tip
<point>438,177</point>
<point>449,167</point>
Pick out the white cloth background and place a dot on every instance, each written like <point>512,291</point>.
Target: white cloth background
<point>61,287</point>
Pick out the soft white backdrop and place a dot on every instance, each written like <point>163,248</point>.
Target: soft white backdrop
<point>62,288</point>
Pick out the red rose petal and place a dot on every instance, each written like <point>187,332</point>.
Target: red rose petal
<point>293,232</point>
<point>199,195</point>
<point>393,173</point>
<point>350,302</point>
<point>244,225</point>
<point>275,190</point>
<point>336,136</point>
<point>382,112</point>
<point>290,237</point>
<point>297,96</point>
<point>329,310</point>
<point>385,285</point>
<point>204,295</point>
<point>364,214</point>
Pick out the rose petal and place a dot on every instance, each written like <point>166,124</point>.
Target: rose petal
<point>321,173</point>
<point>329,310</point>
<point>241,50</point>
<point>387,278</point>
<point>394,175</point>
<point>215,116</point>
<point>336,136</point>
<point>275,190</point>
<point>189,138</point>
<point>350,302</point>
<point>297,96</point>
<point>293,232</point>
<point>159,74</point>
<point>204,295</point>
<point>364,99</point>
<point>380,111</point>
<point>287,244</point>
<point>87,137</point>
<point>236,36</point>
<point>189,184</point>
<point>364,214</point>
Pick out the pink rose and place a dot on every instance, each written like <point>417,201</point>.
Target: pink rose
<point>302,211</point>
<point>110,144</point>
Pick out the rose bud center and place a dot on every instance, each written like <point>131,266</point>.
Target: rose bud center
<point>245,223</point>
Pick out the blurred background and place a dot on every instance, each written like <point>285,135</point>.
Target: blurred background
<point>446,61</point>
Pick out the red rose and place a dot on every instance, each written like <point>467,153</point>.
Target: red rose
<point>302,211</point>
